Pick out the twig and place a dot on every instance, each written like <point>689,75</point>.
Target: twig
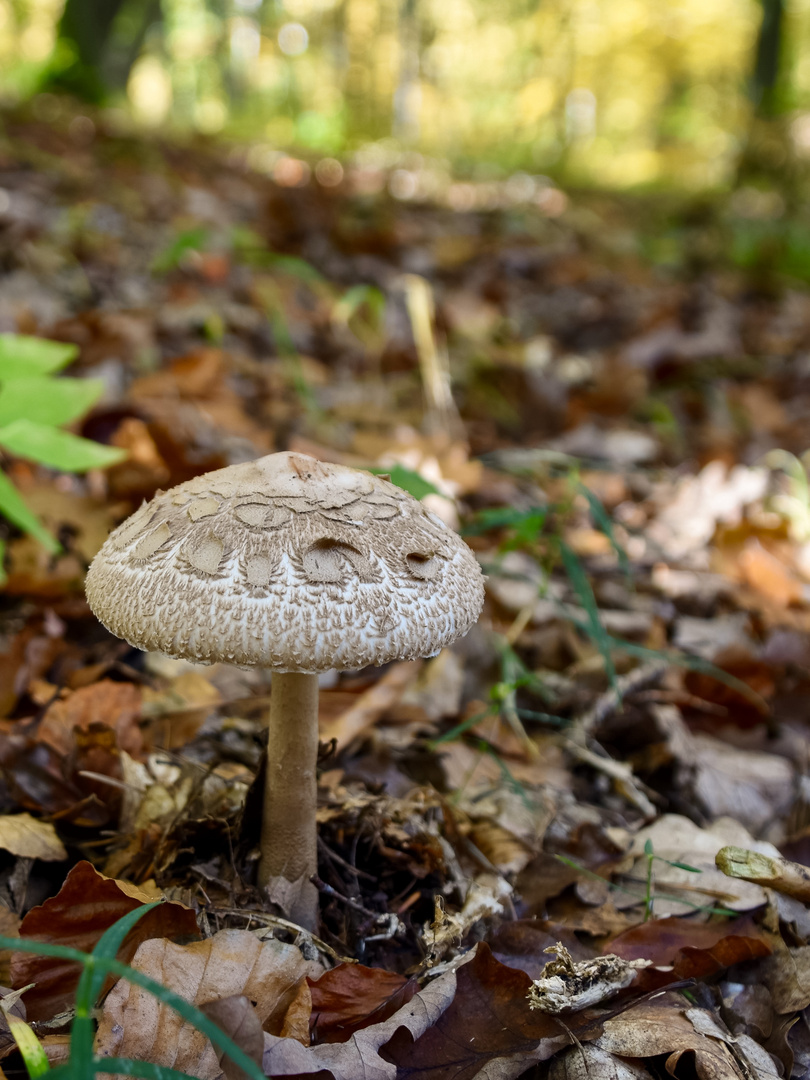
<point>323,887</point>
<point>785,876</point>
<point>611,699</point>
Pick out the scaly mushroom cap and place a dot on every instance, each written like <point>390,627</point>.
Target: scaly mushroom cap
<point>288,563</point>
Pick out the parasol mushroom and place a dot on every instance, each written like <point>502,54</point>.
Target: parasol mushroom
<point>299,566</point>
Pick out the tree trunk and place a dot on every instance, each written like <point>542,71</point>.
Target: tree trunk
<point>94,59</point>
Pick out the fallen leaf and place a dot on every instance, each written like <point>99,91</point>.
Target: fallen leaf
<point>649,1029</point>
<point>591,1062</point>
<point>488,1021</point>
<point>787,975</point>
<point>692,949</point>
<point>233,962</point>
<point>236,1016</point>
<point>87,904</point>
<point>676,839</point>
<point>769,575</point>
<point>351,997</point>
<point>30,838</point>
<point>115,704</point>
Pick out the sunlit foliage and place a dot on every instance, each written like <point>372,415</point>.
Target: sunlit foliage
<point>621,92</point>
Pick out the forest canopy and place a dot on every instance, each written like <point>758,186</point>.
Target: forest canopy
<point>618,93</point>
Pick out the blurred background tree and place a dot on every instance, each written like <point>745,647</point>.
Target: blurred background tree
<point>618,93</point>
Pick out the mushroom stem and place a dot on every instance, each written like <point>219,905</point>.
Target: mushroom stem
<point>289,843</point>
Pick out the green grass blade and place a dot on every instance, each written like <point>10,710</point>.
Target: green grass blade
<point>109,944</point>
<point>91,981</point>
<point>12,506</point>
<point>603,521</point>
<point>593,628</point>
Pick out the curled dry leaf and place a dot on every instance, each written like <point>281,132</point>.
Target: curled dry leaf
<point>569,986</point>
<point>87,904</point>
<point>233,962</point>
<point>663,1027</point>
<point>591,1062</point>
<point>30,838</point>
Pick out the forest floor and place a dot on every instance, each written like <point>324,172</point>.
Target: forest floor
<point>622,449</point>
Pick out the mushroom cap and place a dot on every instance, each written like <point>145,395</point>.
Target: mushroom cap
<point>288,563</point>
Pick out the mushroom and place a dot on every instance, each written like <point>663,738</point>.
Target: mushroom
<point>299,566</point>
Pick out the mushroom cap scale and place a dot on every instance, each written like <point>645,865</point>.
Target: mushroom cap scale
<point>287,563</point>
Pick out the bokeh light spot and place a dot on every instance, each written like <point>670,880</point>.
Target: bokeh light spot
<point>293,39</point>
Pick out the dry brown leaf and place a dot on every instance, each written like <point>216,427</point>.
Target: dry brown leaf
<point>135,1024</point>
<point>651,1028</point>
<point>30,838</point>
<point>115,704</point>
<point>238,1019</point>
<point>769,575</point>
<point>787,975</point>
<point>591,1062</point>
<point>87,904</point>
<point>471,1021</point>
<point>370,706</point>
<point>748,785</point>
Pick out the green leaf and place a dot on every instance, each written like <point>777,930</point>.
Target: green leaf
<point>354,298</point>
<point>47,401</point>
<point>59,449</point>
<point>526,523</point>
<point>13,507</point>
<point>22,356</point>
<point>412,482</point>
<point>294,267</point>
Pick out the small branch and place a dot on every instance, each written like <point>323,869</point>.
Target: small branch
<point>785,876</point>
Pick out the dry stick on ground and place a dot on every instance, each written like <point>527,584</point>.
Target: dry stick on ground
<point>785,876</point>
<point>370,705</point>
<point>581,733</point>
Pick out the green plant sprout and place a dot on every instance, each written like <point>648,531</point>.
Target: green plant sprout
<point>649,896</point>
<point>179,247</point>
<point>537,531</point>
<point>83,1064</point>
<point>361,309</point>
<point>34,407</point>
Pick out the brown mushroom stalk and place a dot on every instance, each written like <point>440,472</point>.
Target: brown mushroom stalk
<point>289,851</point>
